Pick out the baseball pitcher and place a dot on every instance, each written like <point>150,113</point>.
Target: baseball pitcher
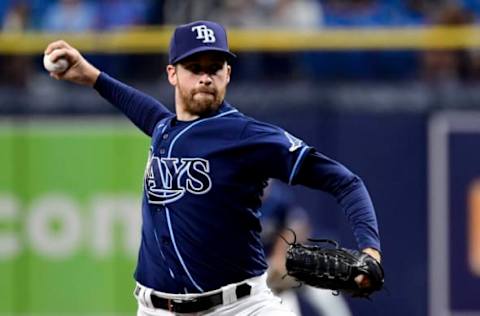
<point>207,166</point>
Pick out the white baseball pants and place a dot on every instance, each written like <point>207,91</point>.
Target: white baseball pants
<point>261,302</point>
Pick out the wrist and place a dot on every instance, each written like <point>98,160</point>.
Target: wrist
<point>374,253</point>
<point>92,76</point>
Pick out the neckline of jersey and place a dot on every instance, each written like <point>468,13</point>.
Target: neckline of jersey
<point>224,107</point>
<point>233,110</point>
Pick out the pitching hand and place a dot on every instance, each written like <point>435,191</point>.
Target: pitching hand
<point>80,71</point>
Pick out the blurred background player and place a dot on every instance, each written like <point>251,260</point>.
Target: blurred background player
<point>280,213</point>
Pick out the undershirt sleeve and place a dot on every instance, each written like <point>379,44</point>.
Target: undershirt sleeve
<point>143,110</point>
<point>322,173</point>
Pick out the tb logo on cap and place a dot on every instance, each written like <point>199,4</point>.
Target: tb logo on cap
<point>204,33</point>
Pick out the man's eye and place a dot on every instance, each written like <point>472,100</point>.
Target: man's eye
<point>214,69</point>
<point>197,69</point>
<point>194,68</point>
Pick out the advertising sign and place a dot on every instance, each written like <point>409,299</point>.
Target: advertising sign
<point>69,217</point>
<point>454,181</point>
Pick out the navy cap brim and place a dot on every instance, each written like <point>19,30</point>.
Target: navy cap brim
<point>201,49</point>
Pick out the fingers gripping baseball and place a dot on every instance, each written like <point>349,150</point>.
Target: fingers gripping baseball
<point>64,62</point>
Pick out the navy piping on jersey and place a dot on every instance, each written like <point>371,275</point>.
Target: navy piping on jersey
<point>161,252</point>
<point>156,235</point>
<point>164,127</point>
<point>167,211</point>
<point>155,230</point>
<point>192,125</point>
<point>170,230</point>
<point>158,243</point>
<point>297,164</point>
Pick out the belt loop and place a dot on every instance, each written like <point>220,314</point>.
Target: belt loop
<point>141,296</point>
<point>258,284</point>
<point>148,297</point>
<point>136,291</point>
<point>229,294</point>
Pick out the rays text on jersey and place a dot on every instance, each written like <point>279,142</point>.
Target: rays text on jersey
<point>168,179</point>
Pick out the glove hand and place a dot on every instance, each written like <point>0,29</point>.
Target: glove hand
<point>358,274</point>
<point>362,279</point>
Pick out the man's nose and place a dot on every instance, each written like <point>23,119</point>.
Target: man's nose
<point>205,78</point>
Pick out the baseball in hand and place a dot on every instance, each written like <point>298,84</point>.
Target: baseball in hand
<point>57,67</point>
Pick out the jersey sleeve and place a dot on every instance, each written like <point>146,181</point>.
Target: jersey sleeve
<point>322,173</point>
<point>143,110</point>
<point>274,153</point>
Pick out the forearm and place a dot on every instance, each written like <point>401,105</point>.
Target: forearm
<point>358,207</point>
<point>320,172</point>
<point>143,110</point>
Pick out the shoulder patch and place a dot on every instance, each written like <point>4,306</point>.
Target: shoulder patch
<point>295,142</point>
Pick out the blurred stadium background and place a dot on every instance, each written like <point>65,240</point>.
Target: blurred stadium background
<point>389,87</point>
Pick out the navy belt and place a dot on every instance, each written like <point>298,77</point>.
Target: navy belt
<point>197,304</point>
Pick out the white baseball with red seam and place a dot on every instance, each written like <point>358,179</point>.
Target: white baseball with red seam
<point>60,65</point>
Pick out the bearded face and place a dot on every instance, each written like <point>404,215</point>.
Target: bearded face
<point>200,83</point>
<point>201,100</point>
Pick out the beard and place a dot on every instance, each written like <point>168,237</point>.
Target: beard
<point>201,101</point>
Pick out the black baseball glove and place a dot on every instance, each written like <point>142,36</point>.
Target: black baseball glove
<point>334,268</point>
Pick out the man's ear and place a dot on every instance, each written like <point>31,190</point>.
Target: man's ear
<point>172,74</point>
<point>229,72</point>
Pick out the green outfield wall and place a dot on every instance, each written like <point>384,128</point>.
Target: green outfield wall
<point>69,216</point>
